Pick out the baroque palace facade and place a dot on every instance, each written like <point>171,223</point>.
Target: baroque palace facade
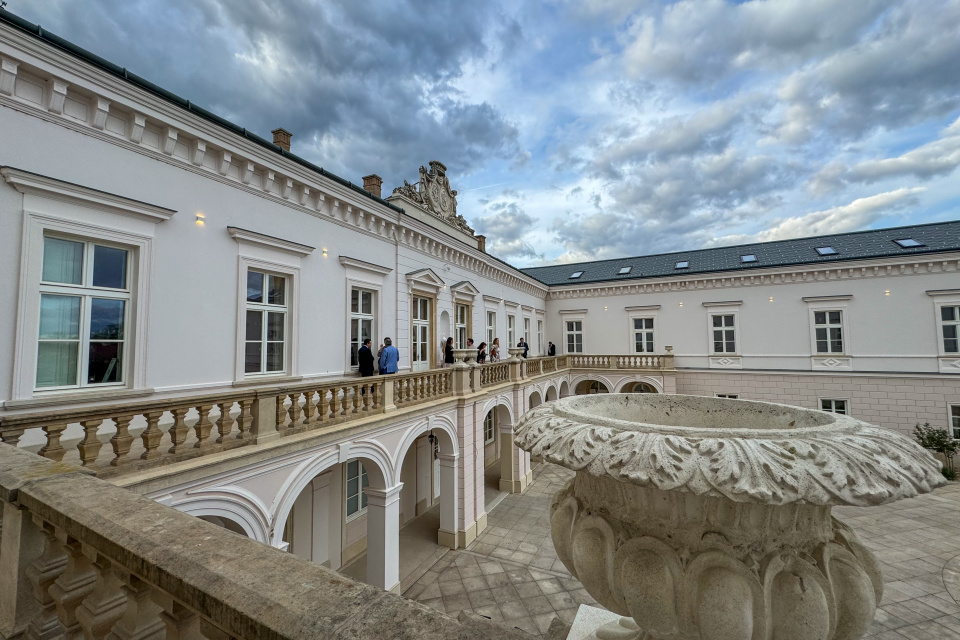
<point>185,300</point>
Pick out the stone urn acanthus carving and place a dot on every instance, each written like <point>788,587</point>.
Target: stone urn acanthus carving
<point>710,519</point>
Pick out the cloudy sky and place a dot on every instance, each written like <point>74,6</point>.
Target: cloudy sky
<point>582,129</point>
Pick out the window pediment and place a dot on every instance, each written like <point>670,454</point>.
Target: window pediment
<point>465,291</point>
<point>425,279</point>
<point>252,237</point>
<point>364,266</point>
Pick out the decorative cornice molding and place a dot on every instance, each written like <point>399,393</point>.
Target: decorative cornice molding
<point>365,266</point>
<point>643,307</point>
<point>727,303</point>
<point>943,292</point>
<point>427,279</point>
<point>465,289</point>
<point>565,312</point>
<point>34,183</point>
<point>838,298</point>
<point>252,237</point>
<point>492,299</point>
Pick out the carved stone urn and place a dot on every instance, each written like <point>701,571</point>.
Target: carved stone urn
<point>709,519</point>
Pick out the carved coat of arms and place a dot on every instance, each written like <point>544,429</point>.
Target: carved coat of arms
<point>434,194</point>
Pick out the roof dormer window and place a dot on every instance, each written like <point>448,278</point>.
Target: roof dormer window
<point>624,271</point>
<point>826,251</point>
<point>748,258</point>
<point>576,274</point>
<point>682,264</point>
<point>909,243</point>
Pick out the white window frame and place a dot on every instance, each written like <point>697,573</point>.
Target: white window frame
<point>369,276</point>
<point>511,329</point>
<point>491,327</point>
<point>568,331</point>
<point>953,419</point>
<point>822,403</point>
<point>949,362</point>
<point>458,325</point>
<point>842,361</point>
<point>724,329</point>
<point>526,331</point>
<point>943,324</point>
<point>540,348</point>
<point>291,336</point>
<point>92,216</point>
<point>650,341</point>
<point>360,316</point>
<point>362,510</point>
<point>266,308</point>
<point>490,427</point>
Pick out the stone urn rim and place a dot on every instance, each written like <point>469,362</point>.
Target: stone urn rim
<point>806,456</point>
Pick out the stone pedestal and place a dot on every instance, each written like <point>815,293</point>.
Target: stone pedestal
<point>709,519</point>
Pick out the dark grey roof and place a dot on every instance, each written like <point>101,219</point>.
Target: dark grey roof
<point>859,245</point>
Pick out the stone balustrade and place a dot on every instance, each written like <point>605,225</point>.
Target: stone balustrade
<point>83,558</point>
<point>123,436</point>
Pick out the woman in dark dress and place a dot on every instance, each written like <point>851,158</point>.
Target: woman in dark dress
<point>448,358</point>
<point>482,353</point>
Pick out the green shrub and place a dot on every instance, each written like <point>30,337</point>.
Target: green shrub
<point>938,441</point>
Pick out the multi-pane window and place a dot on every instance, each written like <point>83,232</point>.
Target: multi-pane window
<point>950,319</point>
<point>729,396</point>
<point>362,305</point>
<point>828,328</point>
<point>84,314</point>
<point>540,336</point>
<point>511,330</point>
<point>266,325</point>
<point>724,333</point>
<point>955,420</point>
<point>833,406</point>
<point>489,428</point>
<point>356,499</point>
<point>460,326</point>
<point>643,335</point>
<point>574,336</point>
<point>491,326</point>
<point>526,329</point>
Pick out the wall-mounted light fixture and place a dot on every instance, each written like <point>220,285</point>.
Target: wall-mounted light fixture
<point>887,292</point>
<point>681,304</point>
<point>199,219</point>
<point>604,307</point>
<point>771,298</point>
<point>324,253</point>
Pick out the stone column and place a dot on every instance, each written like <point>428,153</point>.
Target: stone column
<point>449,500</point>
<point>511,478</point>
<point>265,416</point>
<point>20,543</point>
<point>383,537</point>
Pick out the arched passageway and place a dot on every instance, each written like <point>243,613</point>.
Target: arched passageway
<point>551,393</point>
<point>588,387</point>
<point>535,400</point>
<point>638,387</point>
<point>506,466</point>
<point>225,523</point>
<point>564,389</point>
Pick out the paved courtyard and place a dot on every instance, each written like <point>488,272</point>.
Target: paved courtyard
<point>511,572</point>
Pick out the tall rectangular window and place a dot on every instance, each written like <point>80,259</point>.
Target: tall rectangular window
<point>511,330</point>
<point>84,314</point>
<point>540,337</point>
<point>950,319</point>
<point>355,498</point>
<point>489,428</point>
<point>724,334</point>
<point>643,335</point>
<point>574,336</point>
<point>526,329</point>
<point>955,420</point>
<point>491,326</point>
<point>833,406</point>
<point>266,323</point>
<point>828,328</point>
<point>362,306</point>
<point>461,312</point>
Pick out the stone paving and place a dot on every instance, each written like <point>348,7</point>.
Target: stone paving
<point>511,573</point>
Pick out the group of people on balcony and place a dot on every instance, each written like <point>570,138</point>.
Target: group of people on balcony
<point>387,358</point>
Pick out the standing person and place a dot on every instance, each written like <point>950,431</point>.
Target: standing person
<point>523,345</point>
<point>365,359</point>
<point>482,353</point>
<point>495,350</point>
<point>389,357</point>
<point>448,358</point>
<point>551,349</point>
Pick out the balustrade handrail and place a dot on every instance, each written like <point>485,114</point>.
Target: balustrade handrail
<point>161,573</point>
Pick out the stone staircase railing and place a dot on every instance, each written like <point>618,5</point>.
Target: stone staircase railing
<point>84,558</point>
<point>122,436</point>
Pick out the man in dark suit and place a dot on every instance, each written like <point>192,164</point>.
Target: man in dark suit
<point>552,349</point>
<point>365,358</point>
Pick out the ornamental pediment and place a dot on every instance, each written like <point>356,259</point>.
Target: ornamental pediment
<point>433,194</point>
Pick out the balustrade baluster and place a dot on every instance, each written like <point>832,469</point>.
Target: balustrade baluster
<point>182,623</point>
<point>178,432</point>
<point>281,412</point>
<point>53,449</point>
<point>203,426</point>
<point>367,397</point>
<point>344,401</point>
<point>357,400</point>
<point>11,436</point>
<point>141,617</point>
<point>246,419</point>
<point>224,422</point>
<point>121,440</point>
<point>105,604</point>
<point>309,408</point>
<point>90,446</point>
<point>151,436</point>
<point>294,410</point>
<point>42,573</point>
<point>323,410</point>
<point>74,584</point>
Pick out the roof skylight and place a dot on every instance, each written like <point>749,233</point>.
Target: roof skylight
<point>907,243</point>
<point>748,258</point>
<point>624,271</point>
<point>682,264</point>
<point>576,274</point>
<point>826,251</point>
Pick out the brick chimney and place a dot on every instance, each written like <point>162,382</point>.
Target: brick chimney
<point>372,183</point>
<point>281,138</point>
<point>482,243</point>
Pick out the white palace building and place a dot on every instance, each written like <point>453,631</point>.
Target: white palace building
<point>182,306</point>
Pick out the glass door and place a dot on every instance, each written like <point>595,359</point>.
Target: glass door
<point>420,334</point>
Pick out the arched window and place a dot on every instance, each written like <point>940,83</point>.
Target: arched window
<point>591,386</point>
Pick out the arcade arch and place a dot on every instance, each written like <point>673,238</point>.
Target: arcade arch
<point>588,387</point>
